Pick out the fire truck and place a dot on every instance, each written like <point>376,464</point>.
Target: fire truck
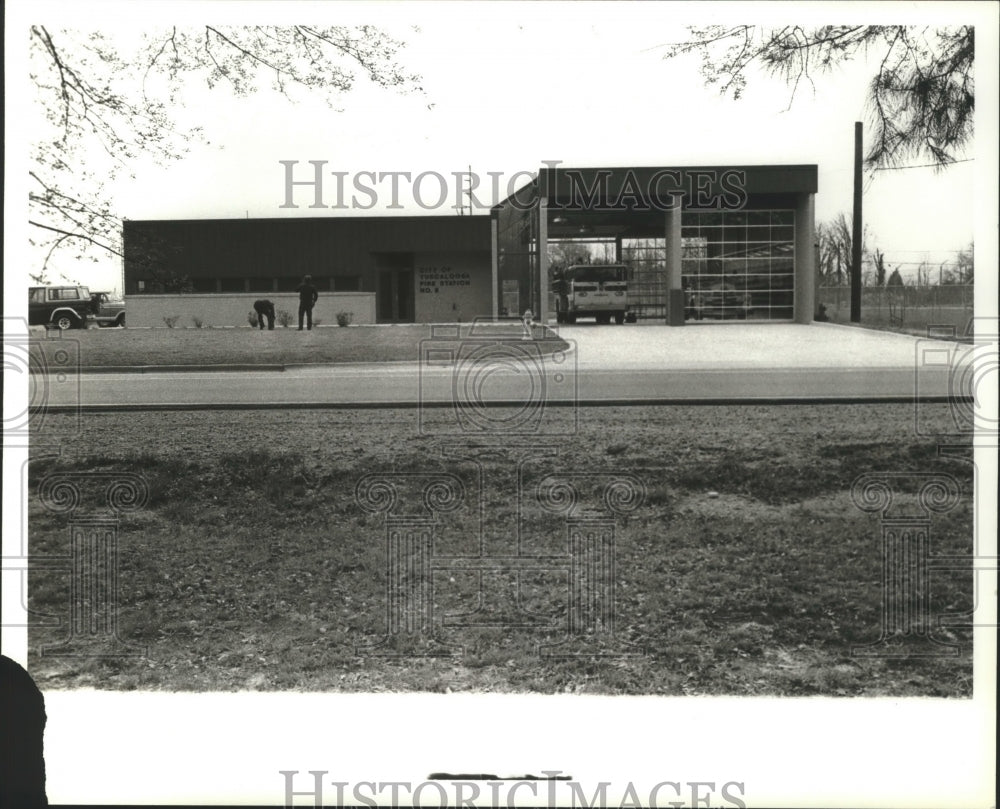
<point>592,290</point>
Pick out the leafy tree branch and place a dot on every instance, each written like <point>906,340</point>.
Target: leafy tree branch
<point>921,100</point>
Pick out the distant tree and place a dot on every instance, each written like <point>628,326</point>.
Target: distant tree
<point>895,297</point>
<point>923,274</point>
<point>826,267</point>
<point>921,99</point>
<point>566,254</point>
<point>94,99</point>
<point>152,258</point>
<point>834,239</point>
<point>878,258</point>
<point>965,265</point>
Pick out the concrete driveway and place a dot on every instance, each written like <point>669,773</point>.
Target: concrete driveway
<point>716,346</point>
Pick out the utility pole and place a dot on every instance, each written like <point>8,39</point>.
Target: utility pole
<point>467,193</point>
<point>856,234</point>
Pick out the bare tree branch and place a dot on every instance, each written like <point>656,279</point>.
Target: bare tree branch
<point>91,96</point>
<point>83,236</point>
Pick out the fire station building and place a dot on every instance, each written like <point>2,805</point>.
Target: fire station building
<point>684,233</point>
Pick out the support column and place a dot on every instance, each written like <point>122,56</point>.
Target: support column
<point>672,237</point>
<point>542,315</point>
<point>805,259</point>
<point>495,265</point>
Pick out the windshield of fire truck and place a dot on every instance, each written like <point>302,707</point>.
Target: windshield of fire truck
<point>595,274</point>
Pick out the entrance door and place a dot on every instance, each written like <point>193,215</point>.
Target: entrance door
<point>395,296</point>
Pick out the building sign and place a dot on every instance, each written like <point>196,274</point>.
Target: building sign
<point>433,279</point>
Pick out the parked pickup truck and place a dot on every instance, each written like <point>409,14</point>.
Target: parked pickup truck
<point>108,311</point>
<point>67,307</point>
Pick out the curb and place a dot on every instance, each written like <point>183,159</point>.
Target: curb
<point>759,401</point>
<point>158,369</point>
<point>571,348</point>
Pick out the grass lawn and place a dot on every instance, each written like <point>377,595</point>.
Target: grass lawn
<point>746,569</point>
<point>246,346</point>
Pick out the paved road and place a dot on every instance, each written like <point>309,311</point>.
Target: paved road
<point>745,362</point>
<point>380,385</point>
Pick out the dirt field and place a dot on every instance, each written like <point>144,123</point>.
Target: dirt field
<point>746,568</point>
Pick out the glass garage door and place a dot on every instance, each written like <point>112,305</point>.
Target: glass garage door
<point>739,265</point>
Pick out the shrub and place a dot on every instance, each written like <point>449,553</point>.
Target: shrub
<point>284,318</point>
<point>198,322</point>
<point>344,318</point>
<point>171,320</point>
<point>252,319</point>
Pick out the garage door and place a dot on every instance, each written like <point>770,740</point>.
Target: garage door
<point>736,265</point>
<point>739,264</point>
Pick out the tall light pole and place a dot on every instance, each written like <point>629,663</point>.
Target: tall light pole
<point>856,234</point>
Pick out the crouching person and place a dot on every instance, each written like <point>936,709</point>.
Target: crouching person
<point>264,308</point>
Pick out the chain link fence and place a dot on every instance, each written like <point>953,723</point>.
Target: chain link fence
<point>909,309</point>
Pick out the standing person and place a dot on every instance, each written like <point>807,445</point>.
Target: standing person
<point>307,299</point>
<point>264,308</point>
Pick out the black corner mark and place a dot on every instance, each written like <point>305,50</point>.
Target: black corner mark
<point>22,725</point>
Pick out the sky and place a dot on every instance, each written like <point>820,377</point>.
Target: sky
<point>507,86</point>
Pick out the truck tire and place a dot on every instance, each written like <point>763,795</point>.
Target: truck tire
<point>619,318</point>
<point>121,320</point>
<point>65,322</point>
